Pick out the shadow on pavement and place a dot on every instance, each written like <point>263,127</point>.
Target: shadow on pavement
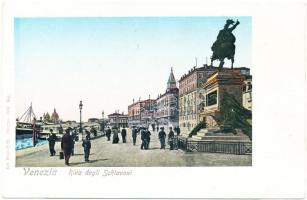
<point>91,161</point>
<point>76,163</point>
<point>81,154</point>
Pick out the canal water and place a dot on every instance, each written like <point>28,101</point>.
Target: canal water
<point>23,142</point>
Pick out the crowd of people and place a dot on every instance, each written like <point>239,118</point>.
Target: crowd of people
<point>70,136</point>
<point>68,143</point>
<point>145,135</point>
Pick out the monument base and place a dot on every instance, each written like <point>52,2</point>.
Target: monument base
<point>206,131</point>
<point>215,134</point>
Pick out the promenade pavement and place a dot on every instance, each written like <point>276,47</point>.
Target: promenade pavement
<point>106,154</point>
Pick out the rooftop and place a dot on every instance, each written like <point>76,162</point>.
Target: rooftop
<point>208,67</point>
<point>116,114</point>
<point>141,101</point>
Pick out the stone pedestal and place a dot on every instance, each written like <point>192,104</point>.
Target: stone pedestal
<point>204,132</point>
<point>217,85</point>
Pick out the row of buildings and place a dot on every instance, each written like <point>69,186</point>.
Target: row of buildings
<point>162,111</point>
<point>194,98</point>
<point>185,106</point>
<point>187,101</point>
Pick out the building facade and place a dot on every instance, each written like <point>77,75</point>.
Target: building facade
<point>247,93</point>
<point>118,120</point>
<point>167,107</point>
<point>141,113</point>
<point>93,120</point>
<point>191,96</point>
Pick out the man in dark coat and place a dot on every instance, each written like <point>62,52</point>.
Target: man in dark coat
<point>124,134</point>
<point>66,146</point>
<point>87,147</point>
<point>115,136</point>
<point>52,139</point>
<point>108,133</point>
<point>143,138</point>
<point>162,136</point>
<point>134,134</point>
<point>147,138</point>
<point>171,136</point>
<point>177,129</point>
<point>73,140</point>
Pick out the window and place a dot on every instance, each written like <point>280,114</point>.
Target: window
<point>212,98</point>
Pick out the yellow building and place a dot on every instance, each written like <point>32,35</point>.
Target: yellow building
<point>247,93</point>
<point>191,96</point>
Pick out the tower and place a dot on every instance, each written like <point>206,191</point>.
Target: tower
<point>171,83</point>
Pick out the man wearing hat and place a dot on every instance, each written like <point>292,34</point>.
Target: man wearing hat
<point>143,138</point>
<point>134,134</point>
<point>162,136</point>
<point>67,146</point>
<point>108,133</point>
<point>171,136</point>
<point>147,138</point>
<point>87,147</point>
<point>73,140</point>
<point>51,139</point>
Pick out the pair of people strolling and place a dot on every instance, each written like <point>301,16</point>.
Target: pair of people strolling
<point>145,137</point>
<point>67,146</point>
<point>162,137</point>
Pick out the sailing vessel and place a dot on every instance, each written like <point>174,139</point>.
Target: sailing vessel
<point>24,128</point>
<point>26,125</point>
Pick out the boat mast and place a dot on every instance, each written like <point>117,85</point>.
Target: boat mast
<point>27,116</point>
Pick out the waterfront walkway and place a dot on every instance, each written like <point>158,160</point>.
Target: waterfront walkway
<point>106,154</point>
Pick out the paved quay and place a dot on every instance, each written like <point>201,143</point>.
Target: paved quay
<point>106,154</point>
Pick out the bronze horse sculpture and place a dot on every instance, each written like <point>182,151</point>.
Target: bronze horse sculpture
<point>224,46</point>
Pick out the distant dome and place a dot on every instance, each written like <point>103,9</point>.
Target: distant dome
<point>55,116</point>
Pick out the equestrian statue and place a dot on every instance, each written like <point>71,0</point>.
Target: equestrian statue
<point>224,46</point>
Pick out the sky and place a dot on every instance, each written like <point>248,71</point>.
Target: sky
<point>108,61</point>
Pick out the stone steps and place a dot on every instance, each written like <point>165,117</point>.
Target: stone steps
<point>203,132</point>
<point>213,133</point>
<point>219,138</point>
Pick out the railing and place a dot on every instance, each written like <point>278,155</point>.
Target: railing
<point>228,147</point>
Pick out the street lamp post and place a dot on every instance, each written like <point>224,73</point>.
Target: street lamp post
<point>80,107</point>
